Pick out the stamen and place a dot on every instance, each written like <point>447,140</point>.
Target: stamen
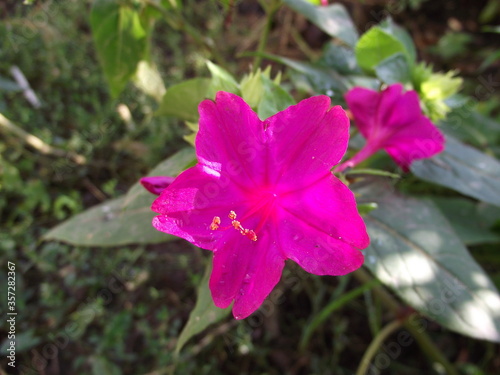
<point>236,225</point>
<point>250,234</point>
<point>215,223</point>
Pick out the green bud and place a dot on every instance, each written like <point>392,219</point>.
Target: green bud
<point>252,88</point>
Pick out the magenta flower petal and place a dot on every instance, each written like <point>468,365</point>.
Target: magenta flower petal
<point>262,192</point>
<point>415,142</point>
<point>229,139</point>
<point>156,184</point>
<point>297,139</point>
<point>368,100</point>
<point>260,269</point>
<point>392,120</point>
<point>329,207</point>
<point>191,202</point>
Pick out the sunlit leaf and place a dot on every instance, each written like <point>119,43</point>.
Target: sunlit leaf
<point>149,81</point>
<point>375,46</point>
<point>204,313</point>
<point>463,169</point>
<point>402,35</point>
<point>120,40</point>
<point>416,253</point>
<point>182,100</point>
<point>222,80</point>
<point>275,99</point>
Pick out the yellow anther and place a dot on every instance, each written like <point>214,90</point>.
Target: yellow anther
<point>251,234</point>
<point>215,223</point>
<point>236,225</point>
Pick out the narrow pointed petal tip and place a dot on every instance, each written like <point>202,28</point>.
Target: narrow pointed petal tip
<point>263,192</point>
<point>393,120</point>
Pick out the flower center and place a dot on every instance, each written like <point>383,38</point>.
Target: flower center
<point>215,225</point>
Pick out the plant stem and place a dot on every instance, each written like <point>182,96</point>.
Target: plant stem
<point>362,155</point>
<point>375,345</point>
<point>430,349</point>
<point>39,144</point>
<point>422,338</point>
<point>270,12</point>
<point>332,306</point>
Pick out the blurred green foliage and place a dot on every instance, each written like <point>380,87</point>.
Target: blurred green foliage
<point>120,310</point>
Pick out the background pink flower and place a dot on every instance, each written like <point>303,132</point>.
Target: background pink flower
<point>392,120</point>
<point>262,192</point>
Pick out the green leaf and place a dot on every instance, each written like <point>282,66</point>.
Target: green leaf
<point>107,224</point>
<point>340,58</point>
<point>403,36</point>
<point>221,81</point>
<point>321,80</point>
<point>275,99</point>
<point>103,366</point>
<point>332,19</point>
<point>469,126</point>
<point>182,100</point>
<point>472,221</point>
<point>375,46</point>
<point>120,40</point>
<point>491,29</point>
<point>463,169</point>
<point>137,196</point>
<point>149,81</point>
<point>373,172</point>
<point>252,88</point>
<point>489,12</point>
<point>8,85</point>
<point>366,208</point>
<point>124,220</point>
<point>394,69</point>
<point>415,252</point>
<point>24,340</point>
<point>204,313</point>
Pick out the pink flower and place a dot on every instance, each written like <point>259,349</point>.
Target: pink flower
<point>262,192</point>
<point>393,121</point>
<point>156,184</point>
